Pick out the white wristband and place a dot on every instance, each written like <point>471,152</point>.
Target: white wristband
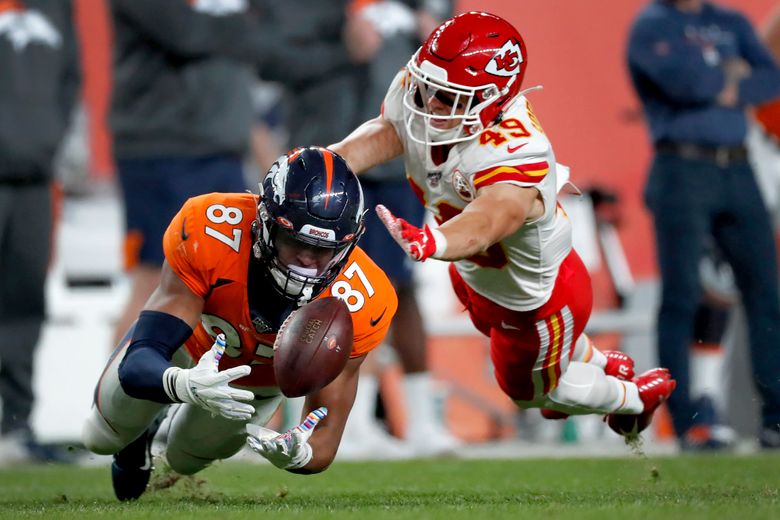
<point>441,243</point>
<point>176,386</point>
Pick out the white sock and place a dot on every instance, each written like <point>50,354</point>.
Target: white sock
<point>419,400</point>
<point>628,401</point>
<point>585,388</point>
<point>364,409</point>
<point>707,373</point>
<point>586,352</point>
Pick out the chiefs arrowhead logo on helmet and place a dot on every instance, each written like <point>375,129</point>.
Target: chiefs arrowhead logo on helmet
<point>506,62</point>
<point>477,57</point>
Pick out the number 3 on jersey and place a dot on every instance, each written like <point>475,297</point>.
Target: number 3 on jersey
<point>354,298</point>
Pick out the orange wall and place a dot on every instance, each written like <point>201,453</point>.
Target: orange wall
<point>92,19</point>
<point>576,50</point>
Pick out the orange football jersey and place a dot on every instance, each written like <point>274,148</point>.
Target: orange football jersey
<point>209,246</point>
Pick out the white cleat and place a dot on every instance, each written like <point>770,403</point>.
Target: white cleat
<point>371,442</point>
<point>432,440</point>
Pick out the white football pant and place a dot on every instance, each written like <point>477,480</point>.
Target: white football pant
<point>195,438</point>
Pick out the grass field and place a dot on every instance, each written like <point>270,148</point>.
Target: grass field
<point>681,487</point>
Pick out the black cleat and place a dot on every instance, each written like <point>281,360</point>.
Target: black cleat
<point>132,465</point>
<point>769,438</point>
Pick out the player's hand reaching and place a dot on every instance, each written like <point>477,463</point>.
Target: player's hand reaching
<point>205,386</point>
<point>418,243</point>
<point>288,450</point>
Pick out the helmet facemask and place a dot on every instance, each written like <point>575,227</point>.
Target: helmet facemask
<point>466,106</point>
<point>309,219</point>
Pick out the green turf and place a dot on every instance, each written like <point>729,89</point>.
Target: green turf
<point>718,487</point>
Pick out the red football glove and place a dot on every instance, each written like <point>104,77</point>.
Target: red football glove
<point>418,243</point>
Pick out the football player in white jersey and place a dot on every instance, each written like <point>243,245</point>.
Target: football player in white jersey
<point>478,159</point>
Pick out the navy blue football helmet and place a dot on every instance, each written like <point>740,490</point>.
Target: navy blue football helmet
<point>309,218</point>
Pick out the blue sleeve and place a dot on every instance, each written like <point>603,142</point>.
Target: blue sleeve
<point>156,337</point>
<point>763,84</point>
<point>673,65</point>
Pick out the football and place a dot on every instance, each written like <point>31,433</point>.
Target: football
<point>312,346</point>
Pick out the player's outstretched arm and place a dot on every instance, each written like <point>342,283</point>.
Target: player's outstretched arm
<point>162,328</point>
<point>497,212</point>
<point>372,143</point>
<point>289,450</point>
<point>304,449</point>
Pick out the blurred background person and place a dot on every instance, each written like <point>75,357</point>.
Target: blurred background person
<point>181,112</point>
<point>696,66</point>
<point>378,37</point>
<point>764,134</point>
<point>180,118</point>
<point>401,27</point>
<point>38,91</point>
<point>269,133</point>
<point>719,297</point>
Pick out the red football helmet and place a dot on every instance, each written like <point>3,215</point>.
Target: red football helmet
<point>462,78</point>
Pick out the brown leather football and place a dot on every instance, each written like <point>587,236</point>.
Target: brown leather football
<point>312,346</point>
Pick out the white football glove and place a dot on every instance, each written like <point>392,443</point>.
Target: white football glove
<point>205,386</point>
<point>288,450</point>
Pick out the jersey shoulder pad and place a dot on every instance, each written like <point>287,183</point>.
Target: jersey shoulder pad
<point>370,297</point>
<point>516,150</point>
<point>210,238</point>
<point>393,105</point>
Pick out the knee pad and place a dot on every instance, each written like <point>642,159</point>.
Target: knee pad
<point>188,459</point>
<point>196,439</point>
<point>583,386</point>
<point>185,463</point>
<point>98,437</point>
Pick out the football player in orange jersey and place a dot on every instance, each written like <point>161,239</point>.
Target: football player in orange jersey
<point>236,266</point>
<point>480,162</point>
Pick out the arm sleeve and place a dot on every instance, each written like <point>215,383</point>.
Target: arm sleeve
<point>763,84</point>
<point>157,335</point>
<point>678,69</point>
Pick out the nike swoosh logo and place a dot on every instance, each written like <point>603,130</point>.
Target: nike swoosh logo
<point>184,235</point>
<point>375,321</point>
<point>513,149</point>
<point>507,326</point>
<point>220,282</point>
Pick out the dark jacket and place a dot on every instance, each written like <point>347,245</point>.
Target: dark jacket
<point>182,76</point>
<point>323,109</point>
<point>326,110</point>
<point>39,84</point>
<point>675,63</point>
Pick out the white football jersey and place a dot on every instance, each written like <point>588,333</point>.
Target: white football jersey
<point>519,272</point>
